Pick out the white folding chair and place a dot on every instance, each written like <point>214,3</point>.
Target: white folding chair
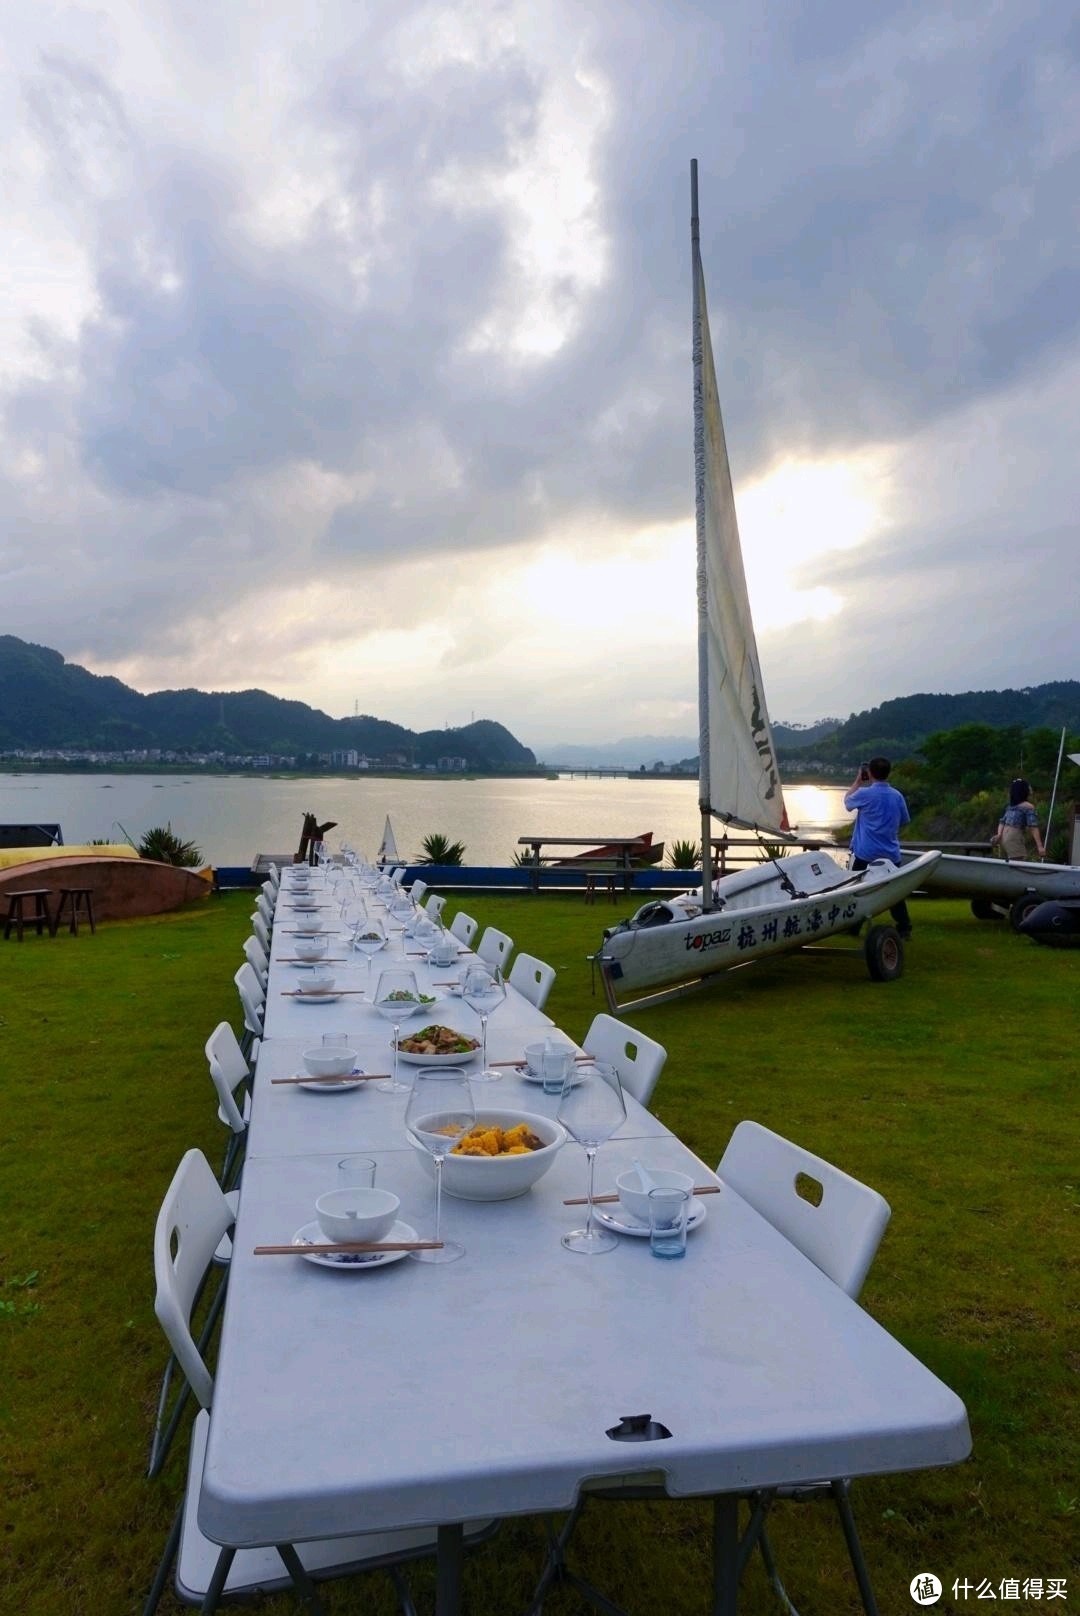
<point>495,947</point>
<point>434,906</point>
<point>532,978</point>
<point>255,955</point>
<point>252,1000</point>
<point>398,875</point>
<point>193,1217</point>
<point>464,928</point>
<point>275,877</point>
<point>417,890</point>
<point>262,931</point>
<point>230,1073</point>
<point>637,1059</point>
<point>266,909</point>
<point>837,1223</point>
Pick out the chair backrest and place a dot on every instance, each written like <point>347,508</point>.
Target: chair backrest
<point>532,978</point>
<point>434,906</point>
<point>261,930</point>
<point>637,1059</point>
<point>417,890</point>
<point>495,947</point>
<point>269,892</point>
<point>398,875</point>
<point>255,955</point>
<point>463,927</point>
<point>228,1069</point>
<point>193,1217</point>
<point>275,876</point>
<point>246,979</point>
<point>251,1002</point>
<point>840,1234</point>
<point>265,908</point>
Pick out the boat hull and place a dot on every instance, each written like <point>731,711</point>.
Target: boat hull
<point>956,875</point>
<point>757,919</point>
<point>1056,924</point>
<point>122,888</point>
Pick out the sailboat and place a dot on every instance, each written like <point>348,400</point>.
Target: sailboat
<point>783,903</point>
<point>388,853</point>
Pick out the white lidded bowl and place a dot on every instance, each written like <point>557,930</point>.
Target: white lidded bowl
<point>356,1214</point>
<point>635,1200</point>
<point>498,1178</point>
<point>323,1061</point>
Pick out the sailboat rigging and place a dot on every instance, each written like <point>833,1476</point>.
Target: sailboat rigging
<point>771,907</point>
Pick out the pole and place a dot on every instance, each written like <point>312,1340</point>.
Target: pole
<point>1053,794</point>
<point>697,350</point>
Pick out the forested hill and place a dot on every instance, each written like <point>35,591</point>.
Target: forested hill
<point>47,702</point>
<point>897,728</point>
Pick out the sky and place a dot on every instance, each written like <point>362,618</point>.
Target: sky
<point>345,348</point>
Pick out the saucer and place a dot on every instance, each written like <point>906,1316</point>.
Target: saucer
<point>311,1235</point>
<point>306,996</point>
<point>319,1085</point>
<point>616,1218</point>
<point>576,1078</point>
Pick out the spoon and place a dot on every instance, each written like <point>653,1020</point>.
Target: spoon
<point>648,1182</point>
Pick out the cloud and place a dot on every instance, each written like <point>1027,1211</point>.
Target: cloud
<point>324,319</point>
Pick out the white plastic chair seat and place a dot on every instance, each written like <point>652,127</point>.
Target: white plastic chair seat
<point>245,1112</point>
<point>495,947</point>
<point>434,906</point>
<point>464,928</point>
<point>532,979</point>
<point>254,1570</point>
<point>223,1254</point>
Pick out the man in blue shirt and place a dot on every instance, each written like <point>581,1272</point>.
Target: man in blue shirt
<point>880,811</point>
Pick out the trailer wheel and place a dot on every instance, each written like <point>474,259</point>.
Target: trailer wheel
<point>1025,905</point>
<point>884,953</point>
<point>984,909</point>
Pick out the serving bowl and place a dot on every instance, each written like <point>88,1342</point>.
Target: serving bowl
<point>312,948</point>
<point>327,1062</point>
<point>356,1214</point>
<point>498,1178</point>
<point>635,1200</point>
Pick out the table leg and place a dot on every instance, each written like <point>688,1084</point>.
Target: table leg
<point>725,1554</point>
<point>450,1553</point>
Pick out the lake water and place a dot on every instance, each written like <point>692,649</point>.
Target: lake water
<point>230,818</point>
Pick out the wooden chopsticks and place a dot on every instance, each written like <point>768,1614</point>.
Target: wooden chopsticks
<point>601,1200</point>
<point>349,1077</point>
<point>318,993</point>
<point>349,1249</point>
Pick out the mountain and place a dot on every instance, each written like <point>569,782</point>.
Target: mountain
<point>48,702</point>
<point>898,728</point>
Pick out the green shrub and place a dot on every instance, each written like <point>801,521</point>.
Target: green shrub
<point>439,849</point>
<point>166,847</point>
<point>685,855</point>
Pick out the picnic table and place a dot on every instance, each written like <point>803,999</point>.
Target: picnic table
<point>428,1396</point>
<point>620,862</point>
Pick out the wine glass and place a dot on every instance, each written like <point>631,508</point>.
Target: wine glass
<point>370,937</point>
<point>590,1112</point>
<point>396,997</point>
<point>483,989</point>
<point>440,1111</point>
<point>352,914</point>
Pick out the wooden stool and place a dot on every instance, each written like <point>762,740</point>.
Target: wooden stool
<point>81,901</point>
<point>599,875</point>
<point>16,916</point>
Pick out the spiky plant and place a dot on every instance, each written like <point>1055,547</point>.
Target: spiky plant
<point>163,845</point>
<point>685,855</point>
<point>439,849</point>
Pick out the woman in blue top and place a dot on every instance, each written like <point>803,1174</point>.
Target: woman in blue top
<point>1016,820</point>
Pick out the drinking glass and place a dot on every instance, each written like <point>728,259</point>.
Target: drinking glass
<point>439,1112</point>
<point>483,989</point>
<point>370,937</point>
<point>668,1211</point>
<point>356,1172</point>
<point>590,1112</point>
<point>400,981</point>
<point>556,1065</point>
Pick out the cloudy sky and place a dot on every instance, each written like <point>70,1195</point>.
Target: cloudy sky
<point>344,347</point>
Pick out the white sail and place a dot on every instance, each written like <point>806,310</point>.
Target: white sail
<point>739,782</point>
<point>388,853</point>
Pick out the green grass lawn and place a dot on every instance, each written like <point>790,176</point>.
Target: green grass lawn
<point>952,1091</point>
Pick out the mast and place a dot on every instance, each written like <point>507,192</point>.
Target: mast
<point>697,340</point>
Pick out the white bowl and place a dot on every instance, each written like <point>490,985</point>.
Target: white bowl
<point>356,1214</point>
<point>634,1200</point>
<point>312,948</point>
<point>328,1062</point>
<point>498,1178</point>
<point>322,980</point>
<point>534,1055</point>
